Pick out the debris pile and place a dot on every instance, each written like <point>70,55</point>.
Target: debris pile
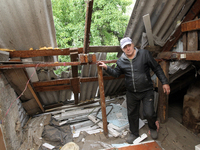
<point>76,122</point>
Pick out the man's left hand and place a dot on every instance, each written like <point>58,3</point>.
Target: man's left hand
<point>166,89</point>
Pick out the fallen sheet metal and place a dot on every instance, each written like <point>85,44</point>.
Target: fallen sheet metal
<point>117,117</point>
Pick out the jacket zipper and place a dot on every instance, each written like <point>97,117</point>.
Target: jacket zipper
<point>133,76</point>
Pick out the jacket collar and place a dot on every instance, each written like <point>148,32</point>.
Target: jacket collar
<point>125,57</point>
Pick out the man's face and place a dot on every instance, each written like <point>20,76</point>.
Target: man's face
<point>129,49</point>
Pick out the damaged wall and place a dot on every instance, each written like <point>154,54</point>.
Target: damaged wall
<point>16,117</point>
<point>191,107</point>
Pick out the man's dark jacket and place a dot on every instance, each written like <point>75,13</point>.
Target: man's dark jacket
<point>137,72</point>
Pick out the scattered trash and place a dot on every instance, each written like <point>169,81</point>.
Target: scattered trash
<point>49,146</point>
<point>140,139</point>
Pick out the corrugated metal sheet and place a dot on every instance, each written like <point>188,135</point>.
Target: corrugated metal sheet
<point>26,24</point>
<point>165,15</point>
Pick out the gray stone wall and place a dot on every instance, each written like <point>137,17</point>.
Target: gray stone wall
<point>16,117</point>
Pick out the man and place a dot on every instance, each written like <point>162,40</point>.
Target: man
<point>136,65</point>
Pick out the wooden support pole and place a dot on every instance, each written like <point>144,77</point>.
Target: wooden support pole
<point>102,97</point>
<point>163,98</point>
<point>88,18</point>
<point>75,84</point>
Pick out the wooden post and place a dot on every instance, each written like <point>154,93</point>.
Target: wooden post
<point>102,97</point>
<point>163,98</point>
<point>88,18</point>
<point>74,58</point>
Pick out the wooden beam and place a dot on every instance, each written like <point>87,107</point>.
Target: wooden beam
<point>105,49</point>
<point>11,66</point>
<point>113,49</point>
<point>45,52</point>
<point>88,19</point>
<point>102,97</point>
<point>35,96</point>
<point>91,79</point>
<point>52,88</point>
<point>50,83</point>
<point>75,84</point>
<point>147,24</point>
<point>163,98</point>
<point>186,55</point>
<point>194,11</point>
<point>63,84</point>
<point>66,51</point>
<point>190,25</point>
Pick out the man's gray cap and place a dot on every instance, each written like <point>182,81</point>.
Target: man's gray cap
<point>125,41</point>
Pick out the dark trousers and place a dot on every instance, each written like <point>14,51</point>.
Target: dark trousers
<point>133,107</point>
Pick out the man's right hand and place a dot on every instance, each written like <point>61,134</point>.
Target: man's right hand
<point>102,64</point>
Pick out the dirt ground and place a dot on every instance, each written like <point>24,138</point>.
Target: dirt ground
<point>172,136</point>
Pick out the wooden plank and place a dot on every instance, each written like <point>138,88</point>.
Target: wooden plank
<point>190,25</point>
<point>44,52</point>
<point>187,55</point>
<point>163,98</point>
<point>194,11</point>
<point>147,24</point>
<point>192,41</point>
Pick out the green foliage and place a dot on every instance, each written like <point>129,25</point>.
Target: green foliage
<point>108,25</point>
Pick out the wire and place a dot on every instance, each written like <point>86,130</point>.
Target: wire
<point>100,118</point>
<point>1,122</point>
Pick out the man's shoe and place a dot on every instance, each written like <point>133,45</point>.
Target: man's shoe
<point>131,138</point>
<point>154,134</point>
